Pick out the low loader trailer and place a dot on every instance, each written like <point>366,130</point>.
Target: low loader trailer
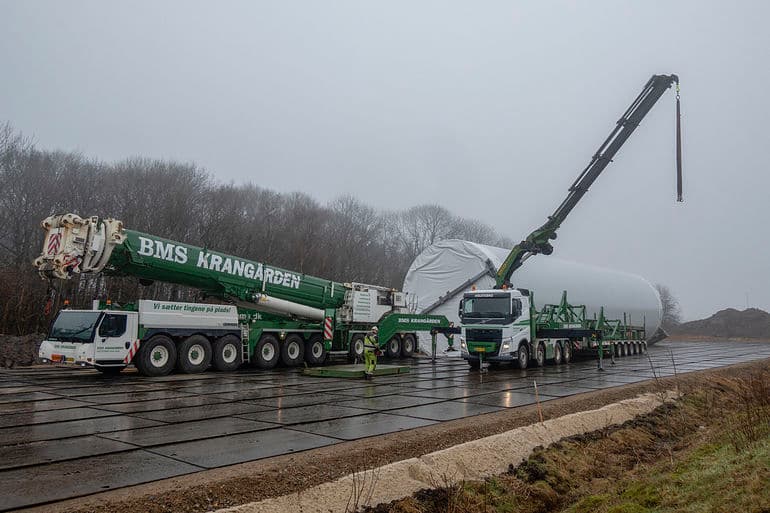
<point>503,325</point>
<point>264,314</point>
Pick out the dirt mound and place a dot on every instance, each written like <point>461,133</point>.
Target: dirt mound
<point>731,323</point>
<point>19,350</point>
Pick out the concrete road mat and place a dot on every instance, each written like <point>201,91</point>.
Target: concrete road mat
<point>228,450</point>
<point>352,428</point>
<point>36,485</point>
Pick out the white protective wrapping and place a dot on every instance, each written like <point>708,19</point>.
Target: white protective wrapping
<point>446,265</point>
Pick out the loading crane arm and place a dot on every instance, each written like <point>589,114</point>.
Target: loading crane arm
<point>539,240</point>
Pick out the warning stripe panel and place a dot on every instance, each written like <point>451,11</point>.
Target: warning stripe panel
<point>131,352</point>
<point>328,334</point>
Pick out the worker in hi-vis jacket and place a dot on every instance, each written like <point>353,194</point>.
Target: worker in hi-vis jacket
<point>371,350</point>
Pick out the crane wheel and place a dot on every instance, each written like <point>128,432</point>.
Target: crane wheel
<point>156,357</point>
<point>194,354</point>
<point>557,354</point>
<point>408,345</point>
<point>523,357</point>
<point>227,353</point>
<point>356,351</point>
<point>315,351</point>
<point>393,347</point>
<point>267,352</point>
<point>293,350</point>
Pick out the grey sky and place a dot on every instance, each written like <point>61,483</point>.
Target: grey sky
<point>489,108</point>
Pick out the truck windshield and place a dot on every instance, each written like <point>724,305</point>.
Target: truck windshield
<point>490,307</point>
<point>74,326</point>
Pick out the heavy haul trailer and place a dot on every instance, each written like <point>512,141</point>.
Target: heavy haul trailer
<point>502,324</point>
<point>282,315</point>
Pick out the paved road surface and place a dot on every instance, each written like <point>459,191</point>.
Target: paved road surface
<point>68,432</point>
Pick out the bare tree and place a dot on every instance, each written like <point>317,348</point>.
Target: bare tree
<point>672,312</point>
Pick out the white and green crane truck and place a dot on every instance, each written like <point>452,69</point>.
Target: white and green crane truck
<point>265,314</point>
<point>502,324</point>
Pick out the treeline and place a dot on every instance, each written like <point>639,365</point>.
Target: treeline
<point>345,240</point>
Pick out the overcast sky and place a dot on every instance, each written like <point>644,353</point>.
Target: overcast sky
<point>489,108</point>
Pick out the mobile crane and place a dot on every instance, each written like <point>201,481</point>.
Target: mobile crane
<point>270,314</point>
<point>503,324</point>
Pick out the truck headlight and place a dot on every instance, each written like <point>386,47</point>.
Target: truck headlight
<point>506,346</point>
<point>463,345</point>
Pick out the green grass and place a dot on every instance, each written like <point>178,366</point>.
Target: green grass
<point>715,477</point>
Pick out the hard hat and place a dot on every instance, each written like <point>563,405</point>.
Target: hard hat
<point>374,329</point>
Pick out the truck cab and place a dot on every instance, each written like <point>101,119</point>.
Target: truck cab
<point>100,338</point>
<point>495,325</point>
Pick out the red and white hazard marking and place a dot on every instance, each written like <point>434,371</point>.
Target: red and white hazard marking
<point>131,352</point>
<point>328,334</point>
<point>54,243</point>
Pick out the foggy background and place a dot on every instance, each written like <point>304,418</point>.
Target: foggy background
<point>489,109</point>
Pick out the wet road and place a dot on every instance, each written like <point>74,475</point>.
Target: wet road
<point>68,432</point>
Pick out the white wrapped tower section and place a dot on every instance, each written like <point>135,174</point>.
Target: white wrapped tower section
<point>440,275</point>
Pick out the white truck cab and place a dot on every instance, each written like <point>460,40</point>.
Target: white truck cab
<point>495,323</point>
<point>156,337</point>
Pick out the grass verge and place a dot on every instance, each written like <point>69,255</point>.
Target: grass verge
<point>707,452</point>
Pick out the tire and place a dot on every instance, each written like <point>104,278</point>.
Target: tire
<point>267,353</point>
<point>109,371</point>
<point>157,356</point>
<point>523,358</point>
<point>315,351</point>
<point>408,346</point>
<point>227,352</point>
<point>540,355</point>
<point>557,354</point>
<point>293,350</point>
<point>393,347</point>
<point>356,351</point>
<point>644,347</point>
<point>194,355</point>
<point>567,352</point>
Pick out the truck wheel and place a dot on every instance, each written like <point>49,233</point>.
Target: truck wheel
<point>356,352</point>
<point>523,356</point>
<point>293,350</point>
<point>393,347</point>
<point>540,355</point>
<point>266,353</point>
<point>566,351</point>
<point>226,353</point>
<point>194,354</point>
<point>408,345</point>
<point>156,357</point>
<point>557,354</point>
<point>315,351</point>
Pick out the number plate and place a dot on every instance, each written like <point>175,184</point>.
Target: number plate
<point>481,349</point>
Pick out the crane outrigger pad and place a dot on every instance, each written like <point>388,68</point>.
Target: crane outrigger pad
<point>354,371</point>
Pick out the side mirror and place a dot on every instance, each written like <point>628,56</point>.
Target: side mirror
<point>460,309</point>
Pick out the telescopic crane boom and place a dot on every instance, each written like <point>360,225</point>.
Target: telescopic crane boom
<point>539,240</point>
